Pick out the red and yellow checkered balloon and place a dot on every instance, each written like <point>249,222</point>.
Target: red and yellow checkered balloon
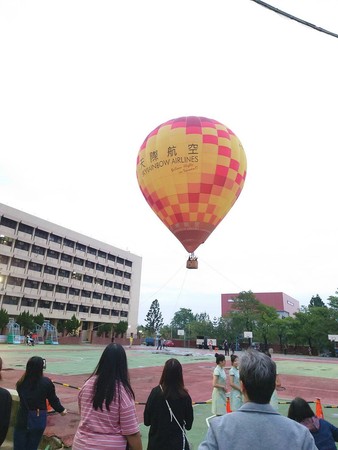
<point>191,171</point>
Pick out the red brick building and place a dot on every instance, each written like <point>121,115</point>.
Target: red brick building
<point>283,303</point>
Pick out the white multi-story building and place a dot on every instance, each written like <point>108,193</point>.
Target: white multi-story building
<point>48,269</point>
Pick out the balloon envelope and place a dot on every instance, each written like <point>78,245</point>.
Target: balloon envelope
<point>191,171</point>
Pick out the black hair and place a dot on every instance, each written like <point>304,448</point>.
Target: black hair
<point>299,410</point>
<point>233,358</point>
<point>111,372</point>
<point>219,358</point>
<point>172,381</point>
<point>33,373</point>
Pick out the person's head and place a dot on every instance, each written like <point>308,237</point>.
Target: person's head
<point>219,358</point>
<point>234,360</point>
<point>299,410</point>
<point>172,379</point>
<point>34,371</point>
<point>111,369</point>
<point>257,374</point>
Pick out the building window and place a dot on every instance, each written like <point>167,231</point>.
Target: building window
<point>61,289</point>
<point>26,228</point>
<point>110,270</point>
<point>31,284</point>
<point>50,270</point>
<point>9,300</point>
<point>9,223</point>
<point>105,312</point>
<point>118,273</point>
<point>85,293</point>
<point>18,263</point>
<point>14,281</point>
<point>64,273</point>
<point>59,306</point>
<point>127,275</point>
<point>76,276</point>
<point>91,251</point>
<point>44,304</point>
<point>120,260</point>
<point>102,254</point>
<point>89,264</point>
<point>53,254</point>
<point>71,307</point>
<point>38,250</point>
<point>100,267</point>
<point>20,245</point>
<point>41,234</point>
<point>78,261</point>
<point>126,288</point>
<point>55,238</point>
<point>125,301</point>
<point>128,263</point>
<point>35,266</point>
<point>73,291</point>
<point>108,283</point>
<point>4,240</point>
<point>87,279</point>
<point>80,247</point>
<point>84,309</point>
<point>107,297</point>
<point>4,259</point>
<point>117,285</point>
<point>116,299</point>
<point>66,258</point>
<point>114,312</point>
<point>97,296</point>
<point>95,310</point>
<point>28,302</point>
<point>124,314</point>
<point>111,257</point>
<point>68,243</point>
<point>99,281</point>
<point>47,287</point>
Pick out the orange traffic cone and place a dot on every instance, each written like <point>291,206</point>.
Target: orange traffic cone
<point>228,407</point>
<point>48,407</point>
<point>319,409</point>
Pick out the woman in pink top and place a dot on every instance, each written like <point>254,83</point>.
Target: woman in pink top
<point>107,406</point>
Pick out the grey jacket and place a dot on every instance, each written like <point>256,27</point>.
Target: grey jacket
<point>256,427</point>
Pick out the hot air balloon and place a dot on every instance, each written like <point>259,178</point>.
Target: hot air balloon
<point>191,171</point>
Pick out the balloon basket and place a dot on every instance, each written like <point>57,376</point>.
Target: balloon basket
<point>192,264</point>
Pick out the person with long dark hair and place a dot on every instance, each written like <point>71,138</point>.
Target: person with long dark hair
<point>5,410</point>
<point>324,433</point>
<point>34,390</point>
<point>168,410</point>
<point>107,406</point>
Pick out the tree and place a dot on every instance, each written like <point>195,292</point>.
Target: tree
<point>245,312</point>
<point>266,323</point>
<point>154,320</point>
<point>104,329</point>
<point>316,301</point>
<point>120,328</point>
<point>4,318</point>
<point>26,321</point>
<point>333,300</point>
<point>182,320</point>
<point>39,319</point>
<point>72,325</point>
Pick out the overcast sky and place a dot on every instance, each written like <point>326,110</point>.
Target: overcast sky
<point>82,83</point>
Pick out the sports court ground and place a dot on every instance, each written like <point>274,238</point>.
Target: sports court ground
<point>69,366</point>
